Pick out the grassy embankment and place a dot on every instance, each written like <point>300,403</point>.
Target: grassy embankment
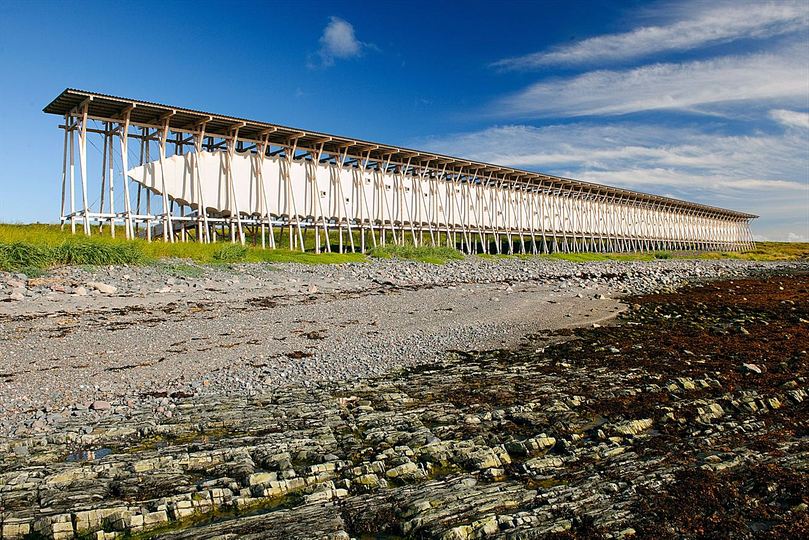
<point>427,254</point>
<point>35,247</point>
<point>32,248</point>
<point>765,251</point>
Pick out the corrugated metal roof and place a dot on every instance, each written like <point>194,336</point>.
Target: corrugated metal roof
<point>146,112</point>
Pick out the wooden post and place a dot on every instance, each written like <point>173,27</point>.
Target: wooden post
<point>341,194</point>
<point>104,152</point>
<point>363,163</point>
<point>111,177</point>
<point>124,136</point>
<point>231,152</point>
<point>291,206</point>
<point>83,167</point>
<point>64,173</point>
<point>72,180</point>
<point>204,234</point>
<point>168,228</point>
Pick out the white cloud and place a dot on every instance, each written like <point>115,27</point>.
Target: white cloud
<point>593,148</point>
<point>703,86</point>
<point>762,174</point>
<point>793,237</point>
<point>339,42</point>
<point>701,25</point>
<point>790,118</point>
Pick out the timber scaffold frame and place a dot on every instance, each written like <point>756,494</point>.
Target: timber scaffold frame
<point>199,176</point>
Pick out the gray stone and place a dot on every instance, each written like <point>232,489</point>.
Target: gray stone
<point>101,405</point>
<point>752,368</point>
<point>103,288</point>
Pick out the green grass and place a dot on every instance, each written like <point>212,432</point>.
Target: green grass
<point>767,251</point>
<point>230,253</point>
<point>426,254</point>
<point>20,256</point>
<point>287,256</point>
<point>78,251</point>
<point>591,257</point>
<point>31,248</point>
<point>181,269</point>
<point>585,257</point>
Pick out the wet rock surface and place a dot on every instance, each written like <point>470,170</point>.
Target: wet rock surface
<point>655,426</point>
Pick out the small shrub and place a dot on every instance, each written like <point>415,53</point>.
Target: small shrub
<point>30,271</point>
<point>579,257</point>
<point>97,253</point>
<point>662,255</point>
<point>428,254</point>
<point>184,270</point>
<point>16,255</point>
<point>290,256</point>
<point>230,253</point>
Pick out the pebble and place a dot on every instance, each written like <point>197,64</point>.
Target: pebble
<point>101,405</point>
<point>103,288</point>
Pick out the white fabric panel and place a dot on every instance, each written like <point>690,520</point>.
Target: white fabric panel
<point>179,172</point>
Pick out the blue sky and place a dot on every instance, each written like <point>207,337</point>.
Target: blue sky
<point>706,101</point>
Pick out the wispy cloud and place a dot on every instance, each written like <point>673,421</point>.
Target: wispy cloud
<point>338,42</point>
<point>763,174</point>
<point>730,161</point>
<point>763,83</point>
<point>700,26</point>
<point>790,118</point>
<point>696,85</point>
<point>793,237</point>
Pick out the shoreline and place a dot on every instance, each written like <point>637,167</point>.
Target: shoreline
<point>246,329</point>
<point>618,426</point>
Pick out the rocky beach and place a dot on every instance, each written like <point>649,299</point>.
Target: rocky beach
<point>510,398</point>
